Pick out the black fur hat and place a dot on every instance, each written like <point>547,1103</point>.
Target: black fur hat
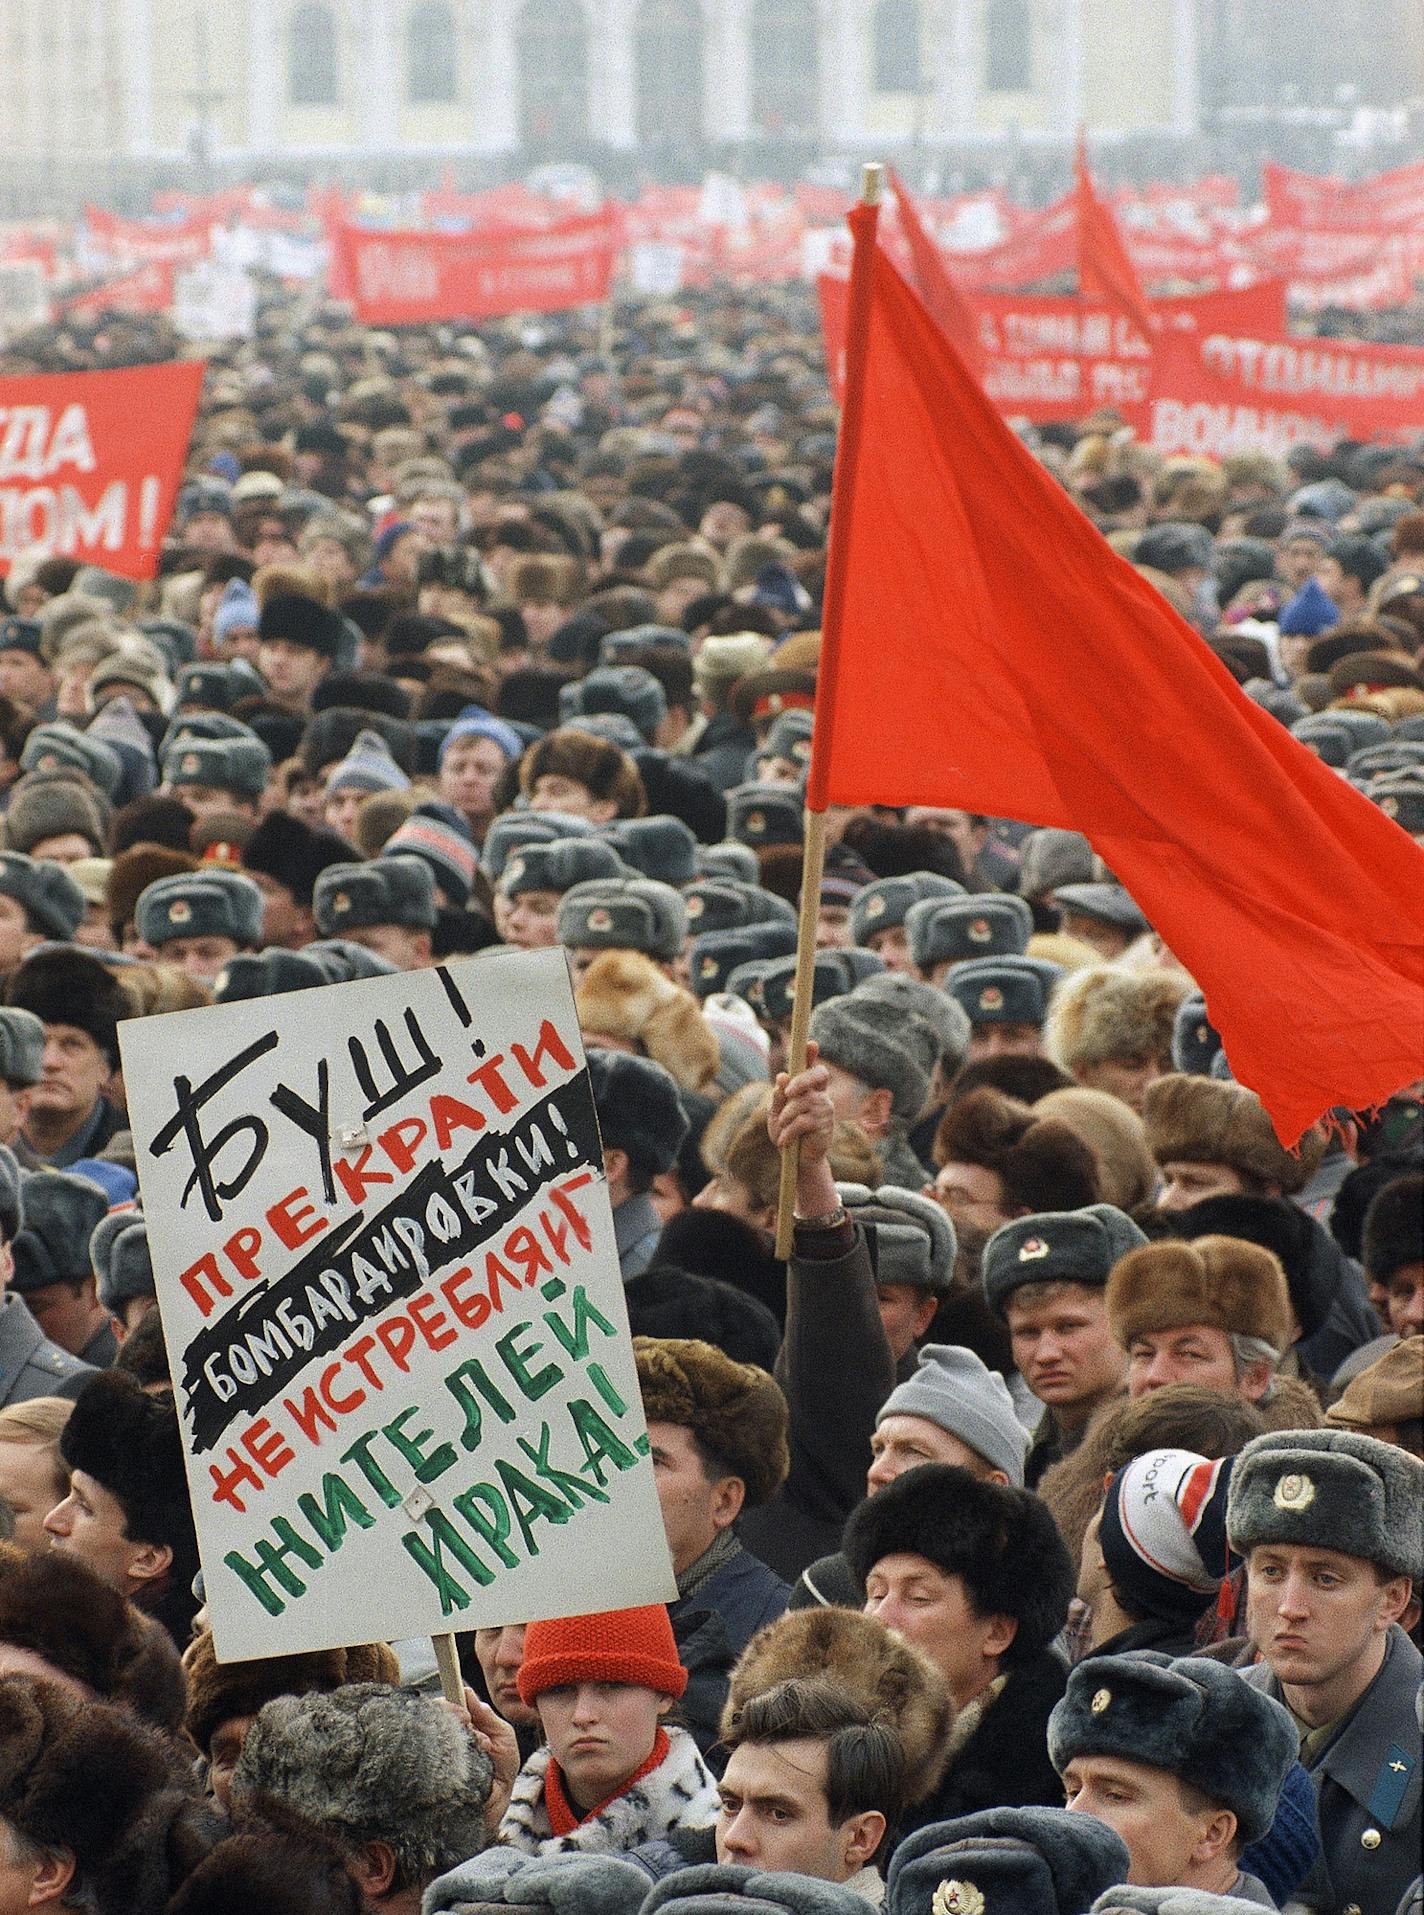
<point>1001,1543</point>
<point>1394,1227</point>
<point>128,1442</point>
<point>666,1302</point>
<point>70,987</point>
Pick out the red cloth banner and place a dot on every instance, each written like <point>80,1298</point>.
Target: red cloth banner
<point>148,289</point>
<point>1215,393</point>
<point>1044,246</point>
<point>932,280</point>
<point>1390,202</point>
<point>984,648</point>
<point>179,243</point>
<point>416,279</point>
<point>90,463</point>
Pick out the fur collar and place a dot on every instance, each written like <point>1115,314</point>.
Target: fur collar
<point>678,1794</point>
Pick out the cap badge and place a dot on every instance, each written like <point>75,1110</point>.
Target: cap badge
<point>708,967</point>
<point>991,998</point>
<point>980,931</point>
<point>875,907</point>
<point>341,902</point>
<point>180,911</point>
<point>600,920</point>
<point>1100,1701</point>
<point>756,822</point>
<point>1389,806</point>
<point>957,1898</point>
<point>189,763</point>
<point>1031,1249</point>
<point>1294,1492</point>
<point>695,906</point>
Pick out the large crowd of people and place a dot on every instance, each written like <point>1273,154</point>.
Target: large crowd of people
<point>1048,1530</point>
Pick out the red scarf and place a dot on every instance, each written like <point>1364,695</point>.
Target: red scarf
<point>564,1817</point>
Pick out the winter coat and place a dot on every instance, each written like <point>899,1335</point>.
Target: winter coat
<point>744,1593</point>
<point>1000,1753</point>
<point>678,1794</point>
<point>724,752</point>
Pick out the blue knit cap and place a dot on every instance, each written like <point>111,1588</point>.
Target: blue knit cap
<point>475,722</point>
<point>1312,610</point>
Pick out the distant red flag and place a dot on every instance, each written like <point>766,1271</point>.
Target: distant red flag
<point>984,648</point>
<point>943,300</point>
<point>1103,263</point>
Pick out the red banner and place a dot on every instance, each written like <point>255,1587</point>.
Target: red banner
<point>1044,246</point>
<point>1388,202</point>
<point>1215,393</point>
<point>148,289</point>
<point>179,243</point>
<point>416,279</point>
<point>90,463</point>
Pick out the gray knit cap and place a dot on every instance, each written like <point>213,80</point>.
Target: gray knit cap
<point>953,1388</point>
<point>874,1041</point>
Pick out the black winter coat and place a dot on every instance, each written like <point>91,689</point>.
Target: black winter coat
<point>1004,1764</point>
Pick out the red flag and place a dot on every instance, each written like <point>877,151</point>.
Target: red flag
<point>984,648</point>
<point>1103,264</point>
<point>943,300</point>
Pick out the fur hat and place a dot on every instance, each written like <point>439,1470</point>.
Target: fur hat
<point>1101,1015</point>
<point>558,865</point>
<point>1330,1489</point>
<point>128,1442</point>
<point>957,930</point>
<point>892,1680</point>
<point>511,829</point>
<point>238,765</point>
<point>60,1212</point>
<point>1049,857</point>
<point>1043,1163</point>
<point>54,1605</point>
<point>621,1645</point>
<point>728,1888</point>
<point>1193,1717</point>
<point>1394,1228</point>
<point>728,859</point>
<point>45,891</point>
<point>52,805</point>
<point>1201,1120</point>
<point>639,1110</point>
<point>736,1412</point>
<point>71,987</point>
<point>605,772</point>
<point>22,1042</point>
<point>1070,1246</point>
<point>298,620</point>
<point>394,890</point>
<point>1031,1860</point>
<point>280,1871</point>
<point>941,1012</point>
<point>1286,1231</point>
<point>292,853</point>
<point>1222,1282</point>
<point>123,1262</point>
<point>717,954</point>
<point>60,746</point>
<point>1102,903</point>
<point>629,689</point>
<point>1128,1898</point>
<point>668,1302</point>
<point>624,994</point>
<point>877,1043</point>
<point>1127,1176</point>
<point>208,903</point>
<point>218,1691</point>
<point>569,1882</point>
<point>984,1533</point>
<point>882,906</point>
<point>634,914</point>
<point>911,1238</point>
<point>1194,1042</point>
<point>761,814</point>
<point>731,904</point>
<point>132,872</point>
<point>661,847</point>
<point>268,973</point>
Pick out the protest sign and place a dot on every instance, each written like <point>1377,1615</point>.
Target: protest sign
<point>90,462</point>
<point>385,1260</point>
<point>213,300</point>
<point>415,278</point>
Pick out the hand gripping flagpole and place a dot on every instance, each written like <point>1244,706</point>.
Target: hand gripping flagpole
<point>863,221</point>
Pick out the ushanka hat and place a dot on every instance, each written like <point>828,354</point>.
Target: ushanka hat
<point>209,903</point>
<point>1031,1861</point>
<point>1330,1489</point>
<point>388,890</point>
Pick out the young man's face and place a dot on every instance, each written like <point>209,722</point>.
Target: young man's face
<point>1147,1807</point>
<point>75,1072</point>
<point>469,772</point>
<point>1062,1345</point>
<point>204,800</point>
<point>25,679</point>
<point>90,1524</point>
<point>774,1814</point>
<point>531,920</point>
<point>554,792</point>
<point>1004,1040</point>
<point>201,958</point>
<point>500,1653</point>
<point>293,672</point>
<point>1317,1615</point>
<point>696,1506</point>
<point>1125,1078</point>
<point>284,922</point>
<point>893,946</point>
<point>906,1312</point>
<point>1404,1300</point>
<point>972,1194</point>
<point>408,950</point>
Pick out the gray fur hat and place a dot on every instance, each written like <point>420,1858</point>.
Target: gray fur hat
<point>943,1013</point>
<point>61,746</point>
<point>514,828</point>
<point>630,690</point>
<point>660,847</point>
<point>50,804</point>
<point>614,727</point>
<point>623,914</point>
<point>789,737</point>
<point>715,955</point>
<point>269,973</point>
<point>344,961</point>
<point>912,1238</point>
<point>729,859</point>
<point>639,1110</point>
<point>1197,1719</point>
<point>956,930</point>
<point>395,890</point>
<point>759,814</point>
<point>50,898</point>
<point>999,991</point>
<point>874,1041</point>
<point>883,905</point>
<point>123,1263</point>
<point>559,865</point>
<point>60,1211</point>
<point>729,904</point>
<point>239,765</point>
<point>368,1762</point>
<point>1129,1899</point>
<point>565,1884</point>
<point>1330,1489</point>
<point>1057,1246</point>
<point>833,974</point>
<point>207,903</point>
<point>726,1888</point>
<point>11,1210</point>
<point>1194,1042</point>
<point>1108,903</point>
<point>1031,1860</point>
<point>1049,857</point>
<point>22,1042</point>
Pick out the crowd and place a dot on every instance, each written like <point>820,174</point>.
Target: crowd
<point>1048,1530</point>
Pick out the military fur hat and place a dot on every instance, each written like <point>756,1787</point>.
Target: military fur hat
<point>639,1110</point>
<point>60,1212</point>
<point>211,903</point>
<point>1193,1717</point>
<point>1057,1246</point>
<point>395,890</point>
<point>54,804</point>
<point>1101,1015</point>
<point>999,991</point>
<point>875,1042</point>
<point>123,1264</point>
<point>944,1014</point>
<point>1107,903</point>
<point>911,1238</point>
<point>984,1533</point>
<point>716,955</point>
<point>1222,1282</point>
<point>71,987</point>
<point>883,905</point>
<point>1394,1228</point>
<point>46,893</point>
<point>888,1676</point>
<point>630,690</point>
<point>1194,1042</point>
<point>1401,797</point>
<point>559,865</point>
<point>239,765</point>
<point>759,814</point>
<point>61,746</point>
<point>1130,1898</point>
<point>957,930</point>
<point>630,914</point>
<point>1050,857</point>
<point>833,974</point>
<point>342,961</point>
<point>217,1691</point>
<point>1330,1489</point>
<point>22,1042</point>
<point>729,904</point>
<point>1035,1861</point>
<point>729,859</point>
<point>269,973</point>
<point>571,1882</point>
<point>660,847</point>
<point>624,994</point>
<point>1201,1120</point>
<point>511,829</point>
<point>735,1411</point>
<point>728,1888</point>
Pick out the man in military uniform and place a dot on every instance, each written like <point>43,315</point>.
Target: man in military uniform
<point>1331,1527</point>
<point>30,1365</point>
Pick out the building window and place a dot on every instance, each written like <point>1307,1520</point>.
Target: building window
<point>1008,46</point>
<point>783,53</point>
<point>431,71</point>
<point>552,51</point>
<point>311,55</point>
<point>896,61</point>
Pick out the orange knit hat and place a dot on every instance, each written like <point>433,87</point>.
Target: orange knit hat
<point>625,1645</point>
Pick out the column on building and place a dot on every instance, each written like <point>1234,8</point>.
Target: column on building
<point>266,74</point>
<point>495,81</point>
<point>612,75</point>
<point>373,92</point>
<point>843,70</point>
<point>137,43</point>
<point>727,71</point>
<point>1186,69</point>
<point>956,80</point>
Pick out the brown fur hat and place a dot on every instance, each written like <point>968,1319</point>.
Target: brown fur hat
<point>736,1411</point>
<point>218,1691</point>
<point>132,872</point>
<point>1101,1014</point>
<point>624,994</point>
<point>600,767</point>
<point>888,1676</point>
<point>1224,1282</point>
<point>1043,1163</point>
<point>1205,1120</point>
